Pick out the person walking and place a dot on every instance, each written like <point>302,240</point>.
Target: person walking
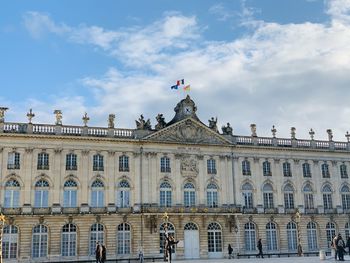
<point>340,248</point>
<point>230,250</point>
<point>334,247</point>
<point>103,253</point>
<point>259,246</point>
<point>97,252</point>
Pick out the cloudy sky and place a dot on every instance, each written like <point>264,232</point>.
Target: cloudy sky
<point>270,62</point>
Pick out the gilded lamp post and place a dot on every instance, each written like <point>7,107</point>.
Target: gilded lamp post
<point>2,223</point>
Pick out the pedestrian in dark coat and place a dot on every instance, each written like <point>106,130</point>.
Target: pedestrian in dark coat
<point>98,253</point>
<point>340,248</point>
<point>259,246</point>
<point>230,250</point>
<point>103,256</point>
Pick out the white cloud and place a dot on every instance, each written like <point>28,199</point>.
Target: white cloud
<point>281,74</point>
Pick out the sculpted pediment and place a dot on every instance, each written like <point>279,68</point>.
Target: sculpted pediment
<point>188,131</point>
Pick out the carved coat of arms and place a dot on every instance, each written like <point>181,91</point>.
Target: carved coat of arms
<point>189,166</point>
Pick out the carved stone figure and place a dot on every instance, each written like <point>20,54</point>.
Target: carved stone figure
<point>212,124</point>
<point>58,114</point>
<point>2,113</point>
<point>189,166</point>
<point>253,130</point>
<point>141,124</point>
<point>330,134</point>
<point>273,130</point>
<point>161,122</point>
<point>292,132</point>
<point>111,118</point>
<point>30,116</point>
<point>227,130</point>
<point>85,119</point>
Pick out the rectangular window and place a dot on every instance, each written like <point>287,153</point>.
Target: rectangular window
<point>287,172</point>
<point>268,200</point>
<point>343,171</point>
<point>288,201</point>
<point>123,163</point>
<point>306,170</point>
<point>248,200</point>
<point>345,201</point>
<point>246,168</point>
<point>165,165</point>
<point>211,166</point>
<point>13,161</point>
<point>98,163</point>
<point>325,171</point>
<point>309,201</point>
<point>43,161</point>
<point>327,201</point>
<point>71,162</point>
<point>267,169</point>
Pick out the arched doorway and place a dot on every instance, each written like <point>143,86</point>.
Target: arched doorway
<point>191,241</point>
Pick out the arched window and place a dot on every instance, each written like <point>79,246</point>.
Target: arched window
<point>312,236</point>
<point>97,194</point>
<point>308,197</point>
<point>96,235</point>
<point>10,242</point>
<point>306,170</point>
<point>123,163</point>
<point>287,171</point>
<point>249,237</point>
<point>70,193</point>
<point>247,194</point>
<point>343,171</point>
<point>165,165</point>
<point>97,161</point>
<point>190,226</point>
<point>69,240</point>
<point>123,239</point>
<point>212,195</point>
<point>345,197</point>
<point>170,230</point>
<point>327,197</point>
<point>71,162</point>
<point>330,233</point>
<point>41,194</point>
<point>288,192</point>
<point>12,190</point>
<point>39,241</point>
<point>271,236</point>
<point>246,168</point>
<point>292,236</point>
<point>214,238</point>
<point>268,196</point>
<point>267,168</point>
<point>165,194</point>
<point>325,170</point>
<point>189,195</point>
<point>123,194</point>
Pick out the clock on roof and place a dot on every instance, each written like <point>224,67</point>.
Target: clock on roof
<point>187,110</point>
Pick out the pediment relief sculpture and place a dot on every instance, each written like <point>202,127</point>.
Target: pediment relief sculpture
<point>188,131</point>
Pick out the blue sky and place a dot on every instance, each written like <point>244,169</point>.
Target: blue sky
<point>269,62</point>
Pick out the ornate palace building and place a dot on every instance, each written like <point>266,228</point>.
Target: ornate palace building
<point>65,187</point>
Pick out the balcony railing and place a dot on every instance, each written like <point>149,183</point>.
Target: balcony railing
<point>11,166</point>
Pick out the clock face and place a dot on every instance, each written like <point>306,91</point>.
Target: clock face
<point>187,110</point>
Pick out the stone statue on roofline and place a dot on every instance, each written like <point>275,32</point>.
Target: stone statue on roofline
<point>161,122</point>
<point>58,114</point>
<point>2,113</point>
<point>227,130</point>
<point>111,118</point>
<point>212,124</point>
<point>141,124</point>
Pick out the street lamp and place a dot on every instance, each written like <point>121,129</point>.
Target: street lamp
<point>297,219</point>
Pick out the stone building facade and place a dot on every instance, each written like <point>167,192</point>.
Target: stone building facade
<point>65,187</point>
